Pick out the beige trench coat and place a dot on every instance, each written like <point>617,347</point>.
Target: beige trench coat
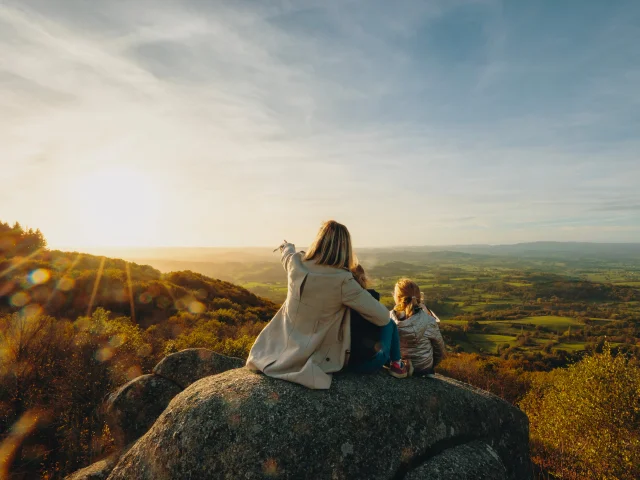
<point>308,338</point>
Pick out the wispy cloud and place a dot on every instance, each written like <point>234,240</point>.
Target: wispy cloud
<point>258,119</point>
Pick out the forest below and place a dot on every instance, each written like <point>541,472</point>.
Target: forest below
<point>559,339</point>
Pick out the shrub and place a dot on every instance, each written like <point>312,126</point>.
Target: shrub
<point>585,420</point>
<point>489,373</point>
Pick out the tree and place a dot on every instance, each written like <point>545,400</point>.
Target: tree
<point>585,420</point>
<point>18,241</point>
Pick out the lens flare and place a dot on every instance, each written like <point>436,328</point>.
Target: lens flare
<point>134,372</point>
<point>196,307</point>
<point>104,354</point>
<point>145,297</point>
<point>19,299</point>
<point>66,283</point>
<point>117,340</point>
<point>32,310</point>
<point>18,433</point>
<point>41,275</point>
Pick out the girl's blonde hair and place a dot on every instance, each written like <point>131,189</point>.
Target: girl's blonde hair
<point>360,276</point>
<point>406,294</point>
<point>332,247</point>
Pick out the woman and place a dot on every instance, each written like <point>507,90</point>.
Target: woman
<point>309,337</point>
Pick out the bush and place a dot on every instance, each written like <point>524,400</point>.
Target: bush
<point>489,373</point>
<point>585,420</point>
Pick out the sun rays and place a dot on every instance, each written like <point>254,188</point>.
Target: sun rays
<point>132,303</point>
<point>19,261</point>
<point>95,286</point>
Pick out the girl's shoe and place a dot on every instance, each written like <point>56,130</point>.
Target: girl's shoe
<point>409,367</point>
<point>399,369</point>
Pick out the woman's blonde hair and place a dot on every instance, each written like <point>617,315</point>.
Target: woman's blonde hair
<point>360,276</point>
<point>332,247</point>
<point>406,294</point>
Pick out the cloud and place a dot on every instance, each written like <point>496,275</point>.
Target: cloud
<point>285,114</point>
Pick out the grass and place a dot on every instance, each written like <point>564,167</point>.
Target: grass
<point>489,342</point>
<point>454,322</point>
<point>548,321</point>
<point>570,346</point>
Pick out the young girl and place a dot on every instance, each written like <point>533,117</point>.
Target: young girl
<point>420,340</point>
<point>373,346</point>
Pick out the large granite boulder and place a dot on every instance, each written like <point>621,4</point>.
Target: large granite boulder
<point>187,366</point>
<point>241,424</point>
<point>135,406</point>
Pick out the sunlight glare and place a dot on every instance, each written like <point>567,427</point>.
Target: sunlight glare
<point>118,207</point>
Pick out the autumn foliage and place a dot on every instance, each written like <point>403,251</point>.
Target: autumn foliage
<point>585,419</point>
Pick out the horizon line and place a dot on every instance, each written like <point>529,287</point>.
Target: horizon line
<point>116,247</point>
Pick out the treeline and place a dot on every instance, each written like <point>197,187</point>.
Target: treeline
<point>15,240</point>
<point>66,285</point>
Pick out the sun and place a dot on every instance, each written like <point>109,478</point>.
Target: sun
<point>117,207</point>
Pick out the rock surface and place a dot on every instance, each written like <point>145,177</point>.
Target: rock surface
<point>192,364</point>
<point>241,424</point>
<point>96,471</point>
<point>471,461</point>
<point>135,406</point>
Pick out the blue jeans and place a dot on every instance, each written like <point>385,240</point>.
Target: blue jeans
<point>389,350</point>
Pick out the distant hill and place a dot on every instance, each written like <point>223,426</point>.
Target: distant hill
<point>549,250</point>
<point>255,267</point>
<point>69,284</point>
<point>573,250</point>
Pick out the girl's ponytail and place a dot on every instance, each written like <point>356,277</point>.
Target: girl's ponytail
<point>407,296</point>
<point>409,305</point>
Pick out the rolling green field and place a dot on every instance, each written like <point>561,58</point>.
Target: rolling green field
<point>550,321</point>
<point>530,306</point>
<point>488,342</point>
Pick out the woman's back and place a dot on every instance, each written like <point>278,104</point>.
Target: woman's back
<point>309,336</point>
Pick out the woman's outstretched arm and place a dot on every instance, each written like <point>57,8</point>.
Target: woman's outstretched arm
<point>356,297</point>
<point>287,249</point>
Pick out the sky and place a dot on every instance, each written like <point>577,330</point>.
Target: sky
<point>191,123</point>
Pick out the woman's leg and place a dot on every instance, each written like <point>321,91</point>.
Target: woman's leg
<point>388,334</point>
<point>376,363</point>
